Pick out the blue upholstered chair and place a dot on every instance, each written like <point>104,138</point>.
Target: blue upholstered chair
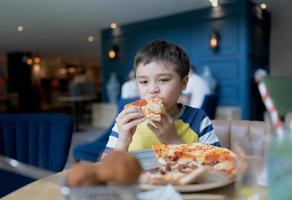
<point>92,150</point>
<point>41,140</point>
<point>210,104</point>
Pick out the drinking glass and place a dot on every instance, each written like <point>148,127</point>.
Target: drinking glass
<point>280,163</point>
<point>250,183</point>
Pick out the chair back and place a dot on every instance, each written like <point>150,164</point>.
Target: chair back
<point>209,105</point>
<point>42,140</point>
<point>233,132</point>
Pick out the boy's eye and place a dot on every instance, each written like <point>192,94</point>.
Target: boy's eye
<point>142,82</point>
<point>164,80</point>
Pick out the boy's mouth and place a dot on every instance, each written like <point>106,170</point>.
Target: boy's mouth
<point>153,97</point>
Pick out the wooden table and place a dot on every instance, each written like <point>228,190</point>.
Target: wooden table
<point>49,188</point>
<point>42,189</point>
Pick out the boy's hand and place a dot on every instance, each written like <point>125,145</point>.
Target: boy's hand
<point>165,130</point>
<point>126,122</point>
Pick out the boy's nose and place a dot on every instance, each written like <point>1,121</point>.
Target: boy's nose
<point>154,90</point>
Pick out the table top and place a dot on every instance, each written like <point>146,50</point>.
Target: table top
<point>49,188</point>
<point>46,188</point>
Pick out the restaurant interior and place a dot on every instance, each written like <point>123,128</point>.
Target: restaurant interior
<point>62,66</point>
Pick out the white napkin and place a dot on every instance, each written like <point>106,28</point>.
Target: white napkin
<point>147,158</point>
<point>167,192</point>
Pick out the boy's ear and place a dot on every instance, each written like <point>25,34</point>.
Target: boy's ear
<point>185,82</point>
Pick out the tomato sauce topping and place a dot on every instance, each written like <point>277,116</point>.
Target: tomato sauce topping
<point>140,102</point>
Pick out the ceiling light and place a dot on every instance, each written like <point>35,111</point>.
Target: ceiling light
<point>37,60</point>
<point>263,6</point>
<point>214,3</point>
<point>114,25</point>
<point>29,61</point>
<point>19,28</point>
<point>90,38</point>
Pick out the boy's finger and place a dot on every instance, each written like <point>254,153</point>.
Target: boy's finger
<point>135,122</point>
<point>170,120</point>
<point>130,117</point>
<point>127,111</point>
<point>166,118</point>
<point>156,124</point>
<point>163,119</point>
<point>132,109</point>
<point>152,127</point>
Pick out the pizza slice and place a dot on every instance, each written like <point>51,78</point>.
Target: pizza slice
<point>151,108</point>
<point>189,163</point>
<point>217,158</point>
<point>174,174</point>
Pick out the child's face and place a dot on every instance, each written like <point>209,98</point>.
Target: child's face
<point>159,80</point>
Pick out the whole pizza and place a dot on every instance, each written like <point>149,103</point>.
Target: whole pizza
<point>188,163</point>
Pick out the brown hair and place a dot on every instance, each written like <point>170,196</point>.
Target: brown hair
<point>166,52</point>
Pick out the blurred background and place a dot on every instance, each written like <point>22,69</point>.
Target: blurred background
<point>73,57</point>
<point>46,45</point>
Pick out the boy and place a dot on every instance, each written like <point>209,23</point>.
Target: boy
<point>161,70</point>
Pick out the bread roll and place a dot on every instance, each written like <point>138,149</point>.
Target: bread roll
<point>120,168</point>
<point>116,168</point>
<point>83,175</point>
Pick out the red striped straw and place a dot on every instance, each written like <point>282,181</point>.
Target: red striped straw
<point>271,108</point>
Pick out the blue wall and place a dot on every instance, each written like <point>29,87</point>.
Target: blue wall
<point>192,31</point>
